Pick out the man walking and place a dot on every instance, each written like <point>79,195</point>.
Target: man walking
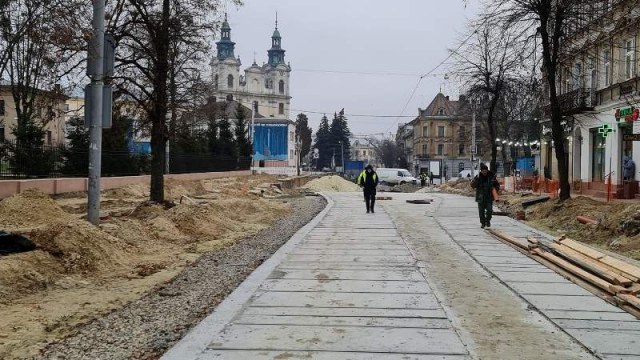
<point>484,183</point>
<point>368,180</point>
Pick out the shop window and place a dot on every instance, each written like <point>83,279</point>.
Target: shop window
<point>598,153</point>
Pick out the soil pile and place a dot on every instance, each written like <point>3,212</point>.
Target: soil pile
<point>459,187</point>
<point>140,245</point>
<point>332,183</point>
<point>618,227</point>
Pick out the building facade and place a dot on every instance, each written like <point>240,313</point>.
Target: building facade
<point>599,92</point>
<point>363,151</point>
<point>263,88</point>
<point>441,138</point>
<point>50,107</point>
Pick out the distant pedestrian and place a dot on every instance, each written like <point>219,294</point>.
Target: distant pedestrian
<point>368,181</point>
<point>430,177</point>
<point>629,168</point>
<point>423,179</point>
<point>485,183</point>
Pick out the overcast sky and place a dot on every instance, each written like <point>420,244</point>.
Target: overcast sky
<point>371,36</point>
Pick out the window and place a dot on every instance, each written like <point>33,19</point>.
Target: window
<point>268,84</point>
<point>605,69</point>
<point>400,174</point>
<point>441,112</point>
<point>281,87</point>
<point>425,149</point>
<point>215,82</point>
<point>255,106</point>
<point>629,58</point>
<point>364,152</point>
<point>425,131</point>
<point>1,107</point>
<point>440,131</point>
<point>49,138</point>
<point>66,107</point>
<point>461,149</point>
<point>460,167</point>
<point>440,149</point>
<point>577,76</point>
<point>281,109</point>
<point>230,81</point>
<point>2,133</point>
<point>461,132</point>
<point>599,145</point>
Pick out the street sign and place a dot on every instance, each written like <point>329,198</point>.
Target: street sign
<point>631,137</point>
<point>629,114</point>
<point>605,130</point>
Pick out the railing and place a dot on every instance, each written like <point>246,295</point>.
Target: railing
<point>27,162</point>
<point>575,101</point>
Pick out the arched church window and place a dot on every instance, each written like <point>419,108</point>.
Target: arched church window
<point>230,81</point>
<point>268,84</point>
<point>281,87</point>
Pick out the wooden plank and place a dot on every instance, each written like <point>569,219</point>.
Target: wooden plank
<point>583,249</point>
<point>626,268</point>
<point>604,265</point>
<point>630,300</point>
<point>591,265</point>
<point>583,274</point>
<point>509,239</point>
<point>527,203</point>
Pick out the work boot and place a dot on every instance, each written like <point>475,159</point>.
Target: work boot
<point>482,226</point>
<point>367,211</point>
<point>372,211</point>
<point>488,224</point>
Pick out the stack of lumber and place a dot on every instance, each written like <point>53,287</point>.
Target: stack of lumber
<point>619,280</point>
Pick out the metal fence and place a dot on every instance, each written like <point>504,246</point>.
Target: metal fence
<point>28,162</point>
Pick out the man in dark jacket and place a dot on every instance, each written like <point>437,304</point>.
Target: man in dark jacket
<point>484,183</point>
<point>368,180</point>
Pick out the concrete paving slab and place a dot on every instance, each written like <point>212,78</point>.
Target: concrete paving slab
<point>559,302</point>
<point>609,342</point>
<point>389,275</point>
<point>354,252</point>
<point>339,338</point>
<point>547,288</point>
<point>518,260</point>
<point>589,315</point>
<point>599,324</point>
<point>319,355</point>
<point>519,275</point>
<point>325,299</point>
<point>385,322</point>
<point>342,266</point>
<point>347,286</point>
<point>398,259</point>
<point>345,312</point>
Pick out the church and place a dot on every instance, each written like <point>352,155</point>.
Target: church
<point>263,88</point>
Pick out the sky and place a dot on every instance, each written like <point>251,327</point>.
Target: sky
<point>331,43</point>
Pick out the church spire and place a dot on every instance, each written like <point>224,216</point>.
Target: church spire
<point>276,53</point>
<point>225,46</point>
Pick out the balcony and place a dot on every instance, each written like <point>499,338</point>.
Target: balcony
<point>575,102</point>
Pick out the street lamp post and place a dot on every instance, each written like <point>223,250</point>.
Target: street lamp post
<point>474,105</point>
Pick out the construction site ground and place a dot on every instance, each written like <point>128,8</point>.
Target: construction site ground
<point>80,272</point>
<point>409,282</point>
<point>618,221</point>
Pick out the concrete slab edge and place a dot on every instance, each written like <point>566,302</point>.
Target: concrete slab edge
<point>516,293</point>
<point>197,340</point>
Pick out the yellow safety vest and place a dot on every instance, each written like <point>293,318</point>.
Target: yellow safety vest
<point>363,177</point>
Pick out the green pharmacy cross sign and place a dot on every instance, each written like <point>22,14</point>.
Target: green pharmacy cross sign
<point>605,130</point>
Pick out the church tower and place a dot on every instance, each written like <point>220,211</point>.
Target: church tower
<point>225,66</point>
<point>276,53</point>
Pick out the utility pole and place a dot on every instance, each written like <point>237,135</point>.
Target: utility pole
<point>473,140</point>
<point>95,70</point>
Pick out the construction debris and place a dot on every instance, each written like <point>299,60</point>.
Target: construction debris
<point>420,202</point>
<point>384,198</point>
<point>538,200</point>
<point>617,279</point>
<point>14,243</point>
<point>586,220</point>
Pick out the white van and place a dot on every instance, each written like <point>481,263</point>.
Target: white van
<point>395,176</point>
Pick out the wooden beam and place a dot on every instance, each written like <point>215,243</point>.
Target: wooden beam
<point>510,239</point>
<point>593,266</point>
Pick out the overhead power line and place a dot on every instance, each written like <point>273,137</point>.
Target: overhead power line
<point>381,73</point>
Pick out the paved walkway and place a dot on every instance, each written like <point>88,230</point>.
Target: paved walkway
<point>349,286</point>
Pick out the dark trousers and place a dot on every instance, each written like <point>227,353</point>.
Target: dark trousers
<point>485,210</point>
<point>370,198</point>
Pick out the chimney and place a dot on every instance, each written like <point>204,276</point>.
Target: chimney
<point>447,97</point>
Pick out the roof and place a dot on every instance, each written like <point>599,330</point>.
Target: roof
<point>449,107</point>
<point>264,120</point>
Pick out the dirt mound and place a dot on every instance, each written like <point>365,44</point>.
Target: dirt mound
<point>332,183</point>
<point>174,189</point>
<point>129,191</point>
<point>31,208</point>
<point>459,187</point>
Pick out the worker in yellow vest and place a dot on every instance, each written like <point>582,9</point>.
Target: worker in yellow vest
<point>368,181</point>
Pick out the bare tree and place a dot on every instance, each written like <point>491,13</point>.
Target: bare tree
<point>486,64</point>
<point>154,39</point>
<point>386,150</point>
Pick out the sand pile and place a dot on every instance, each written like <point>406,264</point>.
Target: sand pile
<point>460,187</point>
<point>31,208</point>
<point>332,183</point>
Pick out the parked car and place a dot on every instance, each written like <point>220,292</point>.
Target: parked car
<point>395,176</point>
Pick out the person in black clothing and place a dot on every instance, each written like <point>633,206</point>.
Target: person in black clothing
<point>484,183</point>
<point>368,180</point>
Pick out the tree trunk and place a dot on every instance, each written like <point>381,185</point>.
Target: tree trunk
<point>159,113</point>
<point>492,134</point>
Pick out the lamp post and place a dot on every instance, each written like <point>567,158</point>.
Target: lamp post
<point>474,104</point>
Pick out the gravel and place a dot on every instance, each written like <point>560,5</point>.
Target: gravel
<point>146,328</point>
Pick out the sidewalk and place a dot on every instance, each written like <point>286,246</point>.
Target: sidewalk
<point>346,287</point>
<point>409,282</point>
